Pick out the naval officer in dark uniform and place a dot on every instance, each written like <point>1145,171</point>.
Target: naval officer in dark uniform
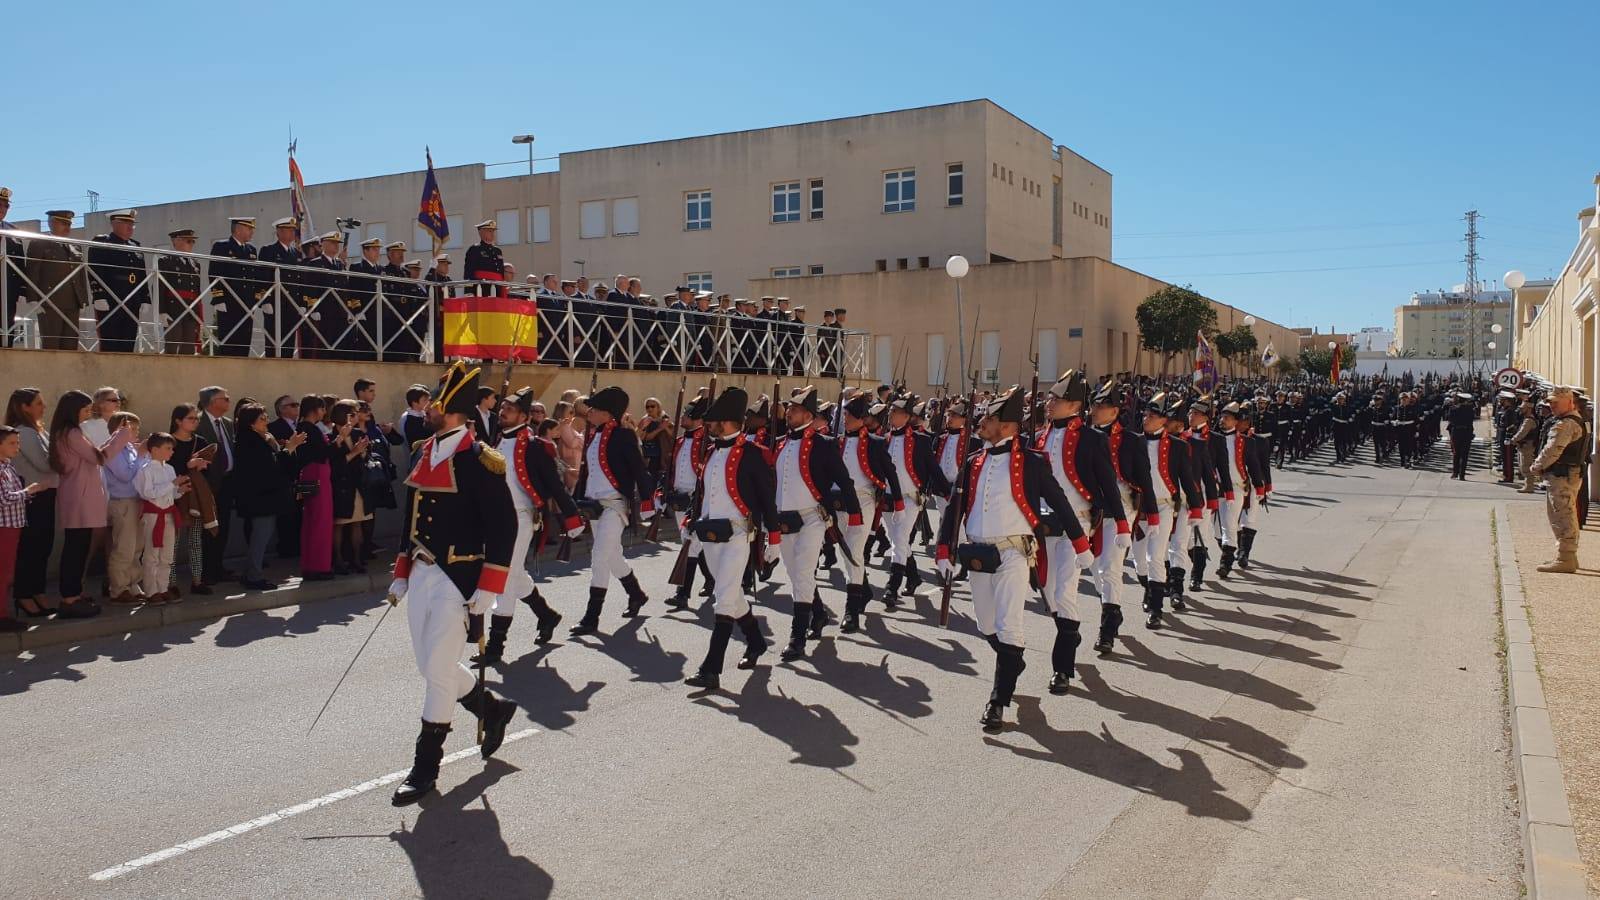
<point>118,283</point>
<point>238,287</point>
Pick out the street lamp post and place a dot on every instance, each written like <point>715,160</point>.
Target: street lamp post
<point>527,139</point>
<point>1249,364</point>
<point>1514,280</point>
<point>957,267</point>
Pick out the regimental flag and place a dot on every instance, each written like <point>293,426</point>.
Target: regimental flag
<point>1333,373</point>
<point>1205,364</point>
<point>430,214</point>
<point>297,197</point>
<point>491,328</point>
<point>1269,357</point>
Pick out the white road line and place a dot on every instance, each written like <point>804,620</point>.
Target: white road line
<point>280,815</point>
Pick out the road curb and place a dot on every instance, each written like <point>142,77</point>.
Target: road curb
<point>1552,868</point>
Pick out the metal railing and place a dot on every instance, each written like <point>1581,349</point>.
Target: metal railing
<point>66,293</point>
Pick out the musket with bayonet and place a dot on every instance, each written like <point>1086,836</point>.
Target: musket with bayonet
<point>653,533</point>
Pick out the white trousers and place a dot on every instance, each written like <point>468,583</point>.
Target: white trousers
<point>855,537</point>
<point>727,563</point>
<point>1227,522</point>
<point>898,526</point>
<point>437,614</point>
<point>1061,582</point>
<point>998,599</point>
<point>520,582</point>
<point>1150,551</point>
<point>1108,566</point>
<point>157,560</point>
<point>1178,546</point>
<point>607,561</point>
<point>800,552</point>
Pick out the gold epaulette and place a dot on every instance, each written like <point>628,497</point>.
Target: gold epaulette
<point>492,459</point>
<point>417,445</point>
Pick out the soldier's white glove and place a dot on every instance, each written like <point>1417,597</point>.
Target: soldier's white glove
<point>398,588</point>
<point>1083,560</point>
<point>946,568</point>
<point>482,602</point>
<point>1124,540</point>
<point>102,305</point>
<point>575,530</point>
<point>646,515</point>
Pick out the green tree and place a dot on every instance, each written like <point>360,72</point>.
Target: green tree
<point>1238,346</point>
<point>1318,361</point>
<point>1170,318</point>
<point>1286,367</point>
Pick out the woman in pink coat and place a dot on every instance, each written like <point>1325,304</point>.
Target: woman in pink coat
<point>81,500</point>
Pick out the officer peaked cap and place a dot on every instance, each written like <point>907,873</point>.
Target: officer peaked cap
<point>489,223</point>
<point>286,222</point>
<point>64,215</point>
<point>729,406</point>
<point>613,400</point>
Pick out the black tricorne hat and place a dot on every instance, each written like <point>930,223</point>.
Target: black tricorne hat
<point>805,398</point>
<point>523,400</point>
<point>858,405</point>
<point>1071,386</point>
<point>1007,406</point>
<point>458,390</point>
<point>762,408</point>
<point>613,400</point>
<point>730,406</point>
<point>1110,394</point>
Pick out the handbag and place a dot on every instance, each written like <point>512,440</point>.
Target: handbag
<point>374,477</point>
<point>305,489</point>
<point>979,557</point>
<point>712,531</point>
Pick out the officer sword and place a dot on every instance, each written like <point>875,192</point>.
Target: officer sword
<point>393,601</point>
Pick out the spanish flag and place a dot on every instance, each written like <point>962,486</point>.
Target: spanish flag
<point>497,328</point>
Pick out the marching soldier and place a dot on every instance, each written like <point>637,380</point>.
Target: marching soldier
<point>1463,413</point>
<point>180,295</point>
<point>1131,464</point>
<point>876,481</point>
<point>810,480</point>
<point>1204,467</point>
<point>1157,486</point>
<point>118,279</point>
<point>611,481</point>
<point>532,479</point>
<point>1080,463</point>
<point>1191,496</point>
<point>1249,525</point>
<point>920,480</point>
<point>459,530</point>
<point>688,461</point>
<point>1404,427</point>
<point>736,502</point>
<point>56,269</point>
<point>1238,471</point>
<point>1344,428</point>
<point>239,287</point>
<point>1001,516</point>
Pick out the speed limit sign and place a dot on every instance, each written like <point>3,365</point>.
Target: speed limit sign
<point>1508,379</point>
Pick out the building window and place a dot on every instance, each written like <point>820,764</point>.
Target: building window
<point>592,219</point>
<point>814,270</point>
<point>901,264</point>
<point>956,177</point>
<point>698,281</point>
<point>786,202</point>
<point>786,272</point>
<point>989,348</point>
<point>816,199</point>
<point>994,170</point>
<point>936,363</point>
<point>510,230</point>
<point>421,239</point>
<point>900,191</point>
<point>697,211</point>
<point>922,262</point>
<point>377,231</point>
<point>882,265</point>
<point>541,224</point>
<point>625,215</point>
<point>455,225</point>
<point>1055,212</point>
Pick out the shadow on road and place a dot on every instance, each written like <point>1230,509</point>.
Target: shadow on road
<point>18,674</point>
<point>1266,647</point>
<point>872,684</point>
<point>1235,681</point>
<point>458,851</point>
<point>817,736</point>
<point>540,691</point>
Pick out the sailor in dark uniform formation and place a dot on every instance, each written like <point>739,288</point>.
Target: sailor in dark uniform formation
<point>485,261</point>
<point>735,503</point>
<point>117,282</point>
<point>810,475</point>
<point>683,480</point>
<point>1080,462</point>
<point>1001,516</point>
<point>1344,427</point>
<point>234,299</point>
<point>876,482</point>
<point>454,561</point>
<point>611,481</point>
<point>920,482</point>
<point>1131,465</point>
<point>532,479</point>
<point>1205,468</point>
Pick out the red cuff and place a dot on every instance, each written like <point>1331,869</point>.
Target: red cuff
<point>774,538</point>
<point>1261,492</point>
<point>1123,527</point>
<point>1081,545</point>
<point>854,521</point>
<point>648,505</point>
<point>402,566</point>
<point>1228,496</point>
<point>1212,504</point>
<point>1153,520</point>
<point>1196,514</point>
<point>943,553</point>
<point>899,506</point>
<point>493,579</point>
<point>571,522</point>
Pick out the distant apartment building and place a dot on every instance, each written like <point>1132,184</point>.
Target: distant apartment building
<point>1448,325</point>
<point>882,192</point>
<point>1373,339</point>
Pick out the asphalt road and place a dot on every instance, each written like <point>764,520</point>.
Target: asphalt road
<point>1327,724</point>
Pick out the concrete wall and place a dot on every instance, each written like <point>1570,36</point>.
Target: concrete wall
<point>911,313</point>
<point>155,384</point>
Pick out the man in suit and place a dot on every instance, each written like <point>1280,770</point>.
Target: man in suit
<point>287,409</point>
<point>239,287</point>
<point>118,283</point>
<point>487,421</point>
<point>217,427</point>
<point>179,288</point>
<point>56,272</point>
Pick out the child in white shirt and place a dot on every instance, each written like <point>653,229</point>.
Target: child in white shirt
<point>159,487</point>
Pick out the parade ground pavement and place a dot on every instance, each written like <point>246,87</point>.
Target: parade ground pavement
<point>1330,723</point>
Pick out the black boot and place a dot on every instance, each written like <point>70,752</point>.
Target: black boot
<point>1198,557</point>
<point>474,628</point>
<point>856,598</point>
<point>709,676</point>
<point>494,650</point>
<point>424,765</point>
<point>821,617</point>
<point>495,713</point>
<point>1008,665</point>
<point>1175,586</point>
<point>1247,540</point>
<point>637,598</point>
<point>797,633</point>
<point>680,600</point>
<point>710,587</point>
<point>993,719</point>
<point>754,643</point>
<point>913,579</point>
<point>590,623</point>
<point>1110,621</point>
<point>1225,568</point>
<point>1153,599</point>
<point>548,618</point>
<point>830,556</point>
<point>891,591</point>
<point>1064,656</point>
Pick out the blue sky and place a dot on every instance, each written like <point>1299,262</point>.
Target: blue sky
<point>1251,143</point>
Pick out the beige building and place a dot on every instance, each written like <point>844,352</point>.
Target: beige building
<point>881,192</point>
<point>1085,319</point>
<point>1451,330</point>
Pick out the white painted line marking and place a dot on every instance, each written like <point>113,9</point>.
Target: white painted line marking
<point>280,815</point>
